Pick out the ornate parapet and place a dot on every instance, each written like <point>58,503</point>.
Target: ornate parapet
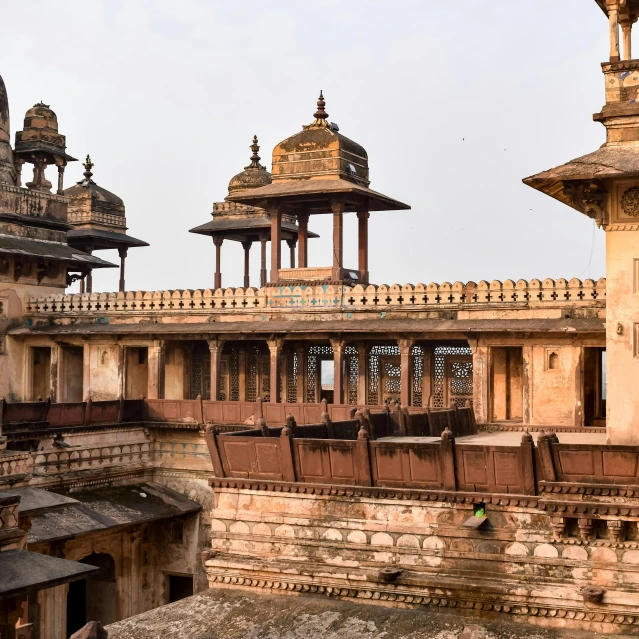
<point>497,294</point>
<point>145,302</point>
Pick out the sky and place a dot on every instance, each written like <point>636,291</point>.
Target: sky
<point>455,104</point>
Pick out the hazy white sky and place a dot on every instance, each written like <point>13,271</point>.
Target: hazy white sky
<point>454,102</point>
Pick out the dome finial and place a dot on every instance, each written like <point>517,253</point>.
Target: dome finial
<point>88,165</point>
<point>255,158</point>
<point>320,114</point>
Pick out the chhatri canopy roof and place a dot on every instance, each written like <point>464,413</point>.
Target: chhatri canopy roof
<point>316,166</point>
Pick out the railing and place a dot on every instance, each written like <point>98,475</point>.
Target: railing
<point>433,463</point>
<point>519,293</point>
<point>56,462</point>
<point>588,463</point>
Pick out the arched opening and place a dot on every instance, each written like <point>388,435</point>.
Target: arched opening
<point>553,361</point>
<point>93,598</point>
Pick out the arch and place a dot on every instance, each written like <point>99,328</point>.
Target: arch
<point>94,598</point>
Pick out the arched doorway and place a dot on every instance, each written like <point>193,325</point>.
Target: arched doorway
<point>93,598</point>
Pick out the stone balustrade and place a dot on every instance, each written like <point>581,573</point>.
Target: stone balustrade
<point>468,295</point>
<point>13,463</point>
<point>73,459</point>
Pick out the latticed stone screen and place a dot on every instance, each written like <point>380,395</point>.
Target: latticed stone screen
<point>315,354</point>
<point>201,371</point>
<point>374,370</point>
<point>352,373</point>
<point>418,375</point>
<point>459,376</point>
<point>291,390</point>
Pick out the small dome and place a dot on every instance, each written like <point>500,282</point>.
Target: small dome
<point>100,197</point>
<point>253,176</point>
<point>40,116</point>
<point>320,151</point>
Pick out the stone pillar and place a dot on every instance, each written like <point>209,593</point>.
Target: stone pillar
<point>362,376</point>
<point>121,370</point>
<point>613,19</point>
<point>247,248</point>
<point>339,346</point>
<point>302,240</point>
<point>527,384</point>
<point>291,246</point>
<point>406,371</point>
<point>218,250</point>
<point>263,240</point>
<point>241,356</point>
<point>275,349</point>
<point>301,374</point>
<point>481,381</point>
<point>60,179</point>
<point>86,370</point>
<point>122,251</point>
<point>215,347</point>
<point>362,250</point>
<point>89,278</point>
<point>338,239</point>
<point>54,373</point>
<point>156,369</point>
<point>276,244</point>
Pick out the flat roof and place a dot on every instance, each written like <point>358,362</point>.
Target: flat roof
<point>316,326</point>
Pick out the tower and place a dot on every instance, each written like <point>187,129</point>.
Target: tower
<point>604,185</point>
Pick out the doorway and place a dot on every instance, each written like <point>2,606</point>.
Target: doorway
<point>507,383</point>
<point>40,372</point>
<point>137,372</point>
<point>179,587</point>
<point>594,386</point>
<point>93,598</point>
<point>72,374</point>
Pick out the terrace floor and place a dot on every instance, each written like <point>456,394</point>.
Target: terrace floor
<point>509,438</point>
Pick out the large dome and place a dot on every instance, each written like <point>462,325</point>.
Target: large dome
<point>7,168</point>
<point>320,151</point>
<point>253,176</point>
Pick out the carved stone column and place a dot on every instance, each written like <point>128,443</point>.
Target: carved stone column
<point>302,239</point>
<point>338,239</point>
<point>263,240</point>
<point>241,356</point>
<point>215,347</point>
<point>54,373</point>
<point>156,370</point>
<point>122,251</point>
<point>362,250</point>
<point>339,346</point>
<point>406,370</point>
<point>275,350</point>
<point>613,19</point>
<point>362,373</point>
<point>86,370</point>
<point>481,382</point>
<point>218,250</point>
<point>247,248</point>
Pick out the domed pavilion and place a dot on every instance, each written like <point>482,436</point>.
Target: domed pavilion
<point>318,171</point>
<point>246,223</point>
<point>99,222</point>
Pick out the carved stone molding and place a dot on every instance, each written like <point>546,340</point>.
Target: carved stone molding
<point>377,593</point>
